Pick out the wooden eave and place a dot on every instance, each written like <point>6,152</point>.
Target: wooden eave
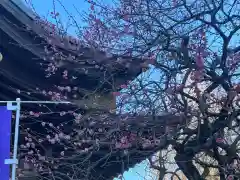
<point>30,36</point>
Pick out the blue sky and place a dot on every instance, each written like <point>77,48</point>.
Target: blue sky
<point>43,8</point>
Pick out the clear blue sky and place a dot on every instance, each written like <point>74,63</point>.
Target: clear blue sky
<point>43,8</point>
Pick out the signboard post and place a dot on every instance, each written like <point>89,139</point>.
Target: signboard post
<point>5,137</point>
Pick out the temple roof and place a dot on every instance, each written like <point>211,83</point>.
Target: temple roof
<point>88,63</point>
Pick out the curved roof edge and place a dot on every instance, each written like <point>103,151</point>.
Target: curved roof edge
<point>21,5</point>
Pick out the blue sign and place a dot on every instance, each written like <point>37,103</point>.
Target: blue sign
<point>5,138</point>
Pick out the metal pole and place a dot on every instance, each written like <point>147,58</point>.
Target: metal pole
<point>14,166</point>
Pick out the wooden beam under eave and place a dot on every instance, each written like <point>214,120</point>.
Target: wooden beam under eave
<point>105,102</point>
